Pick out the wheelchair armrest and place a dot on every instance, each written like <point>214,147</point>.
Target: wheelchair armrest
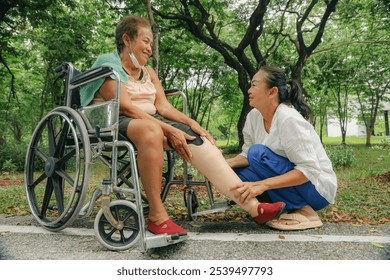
<point>172,92</point>
<point>175,91</point>
<point>90,74</point>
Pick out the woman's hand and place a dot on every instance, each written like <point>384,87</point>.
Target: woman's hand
<point>178,140</point>
<point>202,132</point>
<point>245,191</point>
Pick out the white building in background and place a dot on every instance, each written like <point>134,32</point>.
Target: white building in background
<point>355,129</point>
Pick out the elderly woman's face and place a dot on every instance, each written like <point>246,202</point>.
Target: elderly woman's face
<point>141,46</point>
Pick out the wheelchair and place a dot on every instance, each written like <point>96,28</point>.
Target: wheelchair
<point>62,149</point>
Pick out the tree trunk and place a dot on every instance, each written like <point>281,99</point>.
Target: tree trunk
<point>244,86</point>
<point>155,30</point>
<point>368,138</point>
<point>343,137</point>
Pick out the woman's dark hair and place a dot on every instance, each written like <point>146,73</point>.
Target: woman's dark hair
<point>289,91</point>
<point>129,25</point>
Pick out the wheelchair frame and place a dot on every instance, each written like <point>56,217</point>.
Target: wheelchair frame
<point>57,171</point>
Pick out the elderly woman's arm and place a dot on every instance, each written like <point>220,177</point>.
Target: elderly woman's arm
<point>176,137</point>
<point>165,109</point>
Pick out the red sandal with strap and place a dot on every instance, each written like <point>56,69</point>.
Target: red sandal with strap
<point>167,227</point>
<point>268,212</point>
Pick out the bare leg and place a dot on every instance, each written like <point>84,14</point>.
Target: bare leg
<point>148,138</point>
<point>209,160</point>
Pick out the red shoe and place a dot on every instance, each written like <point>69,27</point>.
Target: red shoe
<point>270,212</point>
<point>167,227</point>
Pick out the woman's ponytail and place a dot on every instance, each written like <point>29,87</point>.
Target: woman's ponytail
<point>296,98</point>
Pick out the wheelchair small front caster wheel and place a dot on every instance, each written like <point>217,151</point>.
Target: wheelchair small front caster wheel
<point>124,212</point>
<point>192,204</point>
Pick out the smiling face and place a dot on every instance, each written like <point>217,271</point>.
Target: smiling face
<point>141,45</point>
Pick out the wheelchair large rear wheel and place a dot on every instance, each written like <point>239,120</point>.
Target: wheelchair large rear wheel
<point>125,212</point>
<point>57,168</point>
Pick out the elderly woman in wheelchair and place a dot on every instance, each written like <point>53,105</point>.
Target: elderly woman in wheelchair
<point>149,121</point>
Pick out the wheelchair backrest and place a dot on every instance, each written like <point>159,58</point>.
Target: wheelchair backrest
<point>101,117</point>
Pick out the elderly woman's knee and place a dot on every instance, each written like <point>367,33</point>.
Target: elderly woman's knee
<point>147,132</point>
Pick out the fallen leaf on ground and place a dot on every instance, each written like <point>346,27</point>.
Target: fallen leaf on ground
<point>377,245</point>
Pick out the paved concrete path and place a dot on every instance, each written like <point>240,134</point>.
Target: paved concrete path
<point>21,238</point>
<point>213,251</point>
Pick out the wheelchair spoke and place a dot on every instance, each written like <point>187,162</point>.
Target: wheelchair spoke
<point>65,176</point>
<point>127,217</point>
<point>104,222</point>
<point>116,214</point>
<point>58,192</point>
<point>62,140</point>
<point>109,235</point>
<point>123,238</point>
<point>40,153</point>
<point>47,197</point>
<point>130,224</point>
<point>132,227</point>
<point>32,186</point>
<point>51,138</point>
<point>66,157</point>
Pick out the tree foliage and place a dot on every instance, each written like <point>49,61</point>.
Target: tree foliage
<point>354,67</point>
<point>260,28</point>
<point>338,50</point>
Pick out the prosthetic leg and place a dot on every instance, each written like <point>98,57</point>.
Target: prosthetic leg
<point>209,160</point>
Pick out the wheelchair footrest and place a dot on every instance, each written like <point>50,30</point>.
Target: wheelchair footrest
<point>218,207</point>
<point>162,240</point>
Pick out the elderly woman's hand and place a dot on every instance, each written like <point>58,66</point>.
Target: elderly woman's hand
<point>202,132</point>
<point>178,140</point>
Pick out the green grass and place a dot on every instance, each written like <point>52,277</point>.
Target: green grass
<point>350,140</point>
<point>363,196</point>
<point>353,140</point>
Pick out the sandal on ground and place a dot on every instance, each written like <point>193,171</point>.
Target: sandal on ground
<point>167,227</point>
<point>302,222</point>
<point>268,212</point>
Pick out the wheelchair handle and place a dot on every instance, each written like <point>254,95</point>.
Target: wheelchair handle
<point>59,68</point>
<point>90,75</point>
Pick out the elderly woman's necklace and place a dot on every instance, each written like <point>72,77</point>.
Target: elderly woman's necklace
<point>137,74</point>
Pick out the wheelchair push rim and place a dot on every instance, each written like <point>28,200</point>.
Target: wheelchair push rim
<point>57,168</point>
